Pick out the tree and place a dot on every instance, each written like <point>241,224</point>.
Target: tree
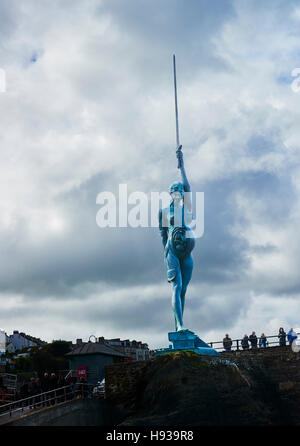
<point>59,348</point>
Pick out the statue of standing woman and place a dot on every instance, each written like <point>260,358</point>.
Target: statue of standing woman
<point>178,240</point>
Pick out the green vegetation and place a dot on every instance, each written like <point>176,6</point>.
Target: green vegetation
<point>46,358</point>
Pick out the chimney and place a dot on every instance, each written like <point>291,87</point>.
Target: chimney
<point>78,341</point>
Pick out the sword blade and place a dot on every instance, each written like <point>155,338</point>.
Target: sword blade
<point>176,106</point>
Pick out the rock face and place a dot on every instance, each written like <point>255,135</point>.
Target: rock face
<point>185,389</point>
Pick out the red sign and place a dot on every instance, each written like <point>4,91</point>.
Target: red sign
<point>81,371</point>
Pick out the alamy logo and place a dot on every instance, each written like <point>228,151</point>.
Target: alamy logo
<point>2,81</point>
<point>139,210</point>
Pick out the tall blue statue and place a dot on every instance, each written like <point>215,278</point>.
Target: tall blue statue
<point>178,240</point>
<point>177,237</point>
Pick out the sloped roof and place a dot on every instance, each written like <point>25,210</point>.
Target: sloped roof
<point>90,348</point>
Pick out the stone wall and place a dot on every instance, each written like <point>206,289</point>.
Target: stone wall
<point>274,370</point>
<point>268,378</point>
<point>123,380</point>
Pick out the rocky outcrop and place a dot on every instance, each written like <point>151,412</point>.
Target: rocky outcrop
<point>186,389</point>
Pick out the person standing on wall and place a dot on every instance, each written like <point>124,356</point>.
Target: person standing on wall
<point>253,340</point>
<point>227,342</point>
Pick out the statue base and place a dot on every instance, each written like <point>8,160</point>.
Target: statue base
<point>187,340</point>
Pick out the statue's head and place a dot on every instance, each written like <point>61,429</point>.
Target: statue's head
<point>176,190</point>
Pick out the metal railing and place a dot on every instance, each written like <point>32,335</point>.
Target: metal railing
<point>237,343</point>
<point>71,374</point>
<point>43,400</point>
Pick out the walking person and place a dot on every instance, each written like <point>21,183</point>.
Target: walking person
<point>282,337</point>
<point>253,340</point>
<point>227,343</point>
<point>262,341</point>
<point>245,342</point>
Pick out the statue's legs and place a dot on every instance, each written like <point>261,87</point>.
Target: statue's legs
<point>174,277</point>
<point>179,275</point>
<point>176,301</point>
<point>186,266</point>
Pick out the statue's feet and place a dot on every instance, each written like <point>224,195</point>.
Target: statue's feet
<point>181,328</point>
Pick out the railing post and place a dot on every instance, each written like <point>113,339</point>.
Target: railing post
<point>237,344</point>
<point>65,394</point>
<point>55,399</point>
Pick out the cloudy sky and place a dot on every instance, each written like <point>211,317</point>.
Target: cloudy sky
<point>89,105</point>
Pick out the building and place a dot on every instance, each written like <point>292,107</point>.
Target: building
<point>22,340</point>
<point>135,350</point>
<point>10,348</point>
<point>92,357</point>
<point>2,342</point>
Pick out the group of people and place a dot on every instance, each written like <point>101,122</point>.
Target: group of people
<point>291,336</point>
<point>54,386</point>
<point>253,341</point>
<point>262,342</point>
<point>47,390</point>
<point>35,386</point>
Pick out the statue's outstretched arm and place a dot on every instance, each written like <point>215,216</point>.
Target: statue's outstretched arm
<point>186,184</point>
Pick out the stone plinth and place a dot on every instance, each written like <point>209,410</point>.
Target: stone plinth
<point>187,340</point>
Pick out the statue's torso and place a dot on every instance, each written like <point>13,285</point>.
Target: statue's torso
<point>177,220</point>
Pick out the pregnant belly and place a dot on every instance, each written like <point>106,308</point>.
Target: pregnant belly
<point>182,241</point>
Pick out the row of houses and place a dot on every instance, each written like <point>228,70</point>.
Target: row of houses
<point>14,343</point>
<point>90,357</point>
<point>136,350</point>
<point>18,341</point>
<point>86,359</point>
